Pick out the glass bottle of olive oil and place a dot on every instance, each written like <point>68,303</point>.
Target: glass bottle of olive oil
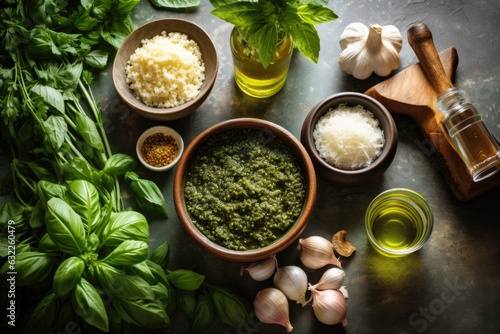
<point>249,74</point>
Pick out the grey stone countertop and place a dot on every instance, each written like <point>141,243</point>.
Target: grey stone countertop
<point>452,285</point>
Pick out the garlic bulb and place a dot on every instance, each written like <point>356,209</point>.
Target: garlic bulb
<point>316,252</point>
<point>261,270</point>
<point>331,279</point>
<point>329,306</point>
<point>271,307</point>
<point>367,50</point>
<point>292,281</point>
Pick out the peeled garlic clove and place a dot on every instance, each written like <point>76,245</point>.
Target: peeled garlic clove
<point>261,270</point>
<point>341,245</point>
<point>329,306</point>
<point>271,307</point>
<point>292,281</point>
<point>316,252</point>
<point>331,279</point>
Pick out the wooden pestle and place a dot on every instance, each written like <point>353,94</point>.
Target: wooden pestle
<point>420,39</point>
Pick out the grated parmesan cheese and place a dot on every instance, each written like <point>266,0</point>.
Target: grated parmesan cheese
<point>348,137</point>
<point>166,71</point>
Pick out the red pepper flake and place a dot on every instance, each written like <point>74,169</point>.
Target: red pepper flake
<point>159,149</point>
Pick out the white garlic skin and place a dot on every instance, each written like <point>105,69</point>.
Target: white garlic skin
<point>271,307</point>
<point>261,270</point>
<point>329,306</point>
<point>368,50</point>
<point>292,281</point>
<point>316,252</point>
<point>331,279</point>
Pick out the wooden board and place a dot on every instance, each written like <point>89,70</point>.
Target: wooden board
<point>410,93</point>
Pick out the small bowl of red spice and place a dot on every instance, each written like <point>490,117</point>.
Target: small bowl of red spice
<point>159,148</point>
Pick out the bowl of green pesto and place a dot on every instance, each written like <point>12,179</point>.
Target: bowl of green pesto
<point>244,189</point>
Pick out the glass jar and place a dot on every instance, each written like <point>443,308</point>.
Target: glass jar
<point>249,74</point>
<point>475,144</point>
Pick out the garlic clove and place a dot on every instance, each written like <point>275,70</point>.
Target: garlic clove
<point>292,281</point>
<point>331,279</point>
<point>344,292</point>
<point>261,270</point>
<point>271,307</point>
<point>329,306</point>
<point>316,252</point>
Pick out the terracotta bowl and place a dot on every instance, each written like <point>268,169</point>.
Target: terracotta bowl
<point>148,31</point>
<point>345,177</point>
<point>293,232</point>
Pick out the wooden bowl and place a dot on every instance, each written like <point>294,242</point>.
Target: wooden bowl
<point>148,31</point>
<point>345,177</point>
<point>293,232</point>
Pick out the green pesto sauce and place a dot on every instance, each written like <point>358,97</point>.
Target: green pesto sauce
<point>244,188</point>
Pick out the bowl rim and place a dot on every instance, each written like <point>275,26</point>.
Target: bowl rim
<point>165,113</point>
<point>166,130</point>
<point>294,231</point>
<point>335,99</point>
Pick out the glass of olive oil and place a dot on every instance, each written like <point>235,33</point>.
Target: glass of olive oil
<point>249,73</point>
<point>398,222</point>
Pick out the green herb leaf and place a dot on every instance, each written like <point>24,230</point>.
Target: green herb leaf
<point>121,284</point>
<point>306,38</point>
<point>268,39</point>
<point>118,164</point>
<point>160,254</point>
<point>187,303</point>
<point>65,227</point>
<point>127,253</point>
<point>46,245</point>
<point>241,14</point>
<point>147,195</point>
<point>96,58</point>
<point>55,129</point>
<point>88,130</point>
<point>185,279</point>
<point>142,270</point>
<point>204,315</point>
<point>89,305</point>
<point>126,225</point>
<point>143,313</point>
<point>315,14</point>
<point>230,308</point>
<point>31,267</point>
<point>50,95</point>
<point>67,275</point>
<point>43,318</point>
<point>175,3</point>
<point>83,197</point>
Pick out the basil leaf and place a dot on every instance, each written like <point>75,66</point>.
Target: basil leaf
<point>118,164</point>
<point>96,58</point>
<point>46,190</point>
<point>89,305</point>
<point>187,303</point>
<point>46,245</point>
<point>123,226</point>
<point>160,254</point>
<point>127,253</point>
<point>142,270</point>
<point>147,195</point>
<point>67,275</point>
<point>143,313</point>
<point>88,130</point>
<point>185,279</point>
<point>31,267</point>
<point>84,199</point>
<point>230,308</point>
<point>55,130</point>
<point>118,283</point>
<point>50,95</point>
<point>268,39</point>
<point>43,318</point>
<point>158,273</point>
<point>161,293</point>
<point>241,14</point>
<point>37,215</point>
<point>204,315</point>
<point>306,38</point>
<point>175,3</point>
<point>65,227</point>
<point>315,14</point>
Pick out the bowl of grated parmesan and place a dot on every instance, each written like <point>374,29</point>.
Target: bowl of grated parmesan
<point>165,69</point>
<point>350,137</point>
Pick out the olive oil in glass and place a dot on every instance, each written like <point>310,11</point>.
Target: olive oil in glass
<point>398,222</point>
<point>249,73</point>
